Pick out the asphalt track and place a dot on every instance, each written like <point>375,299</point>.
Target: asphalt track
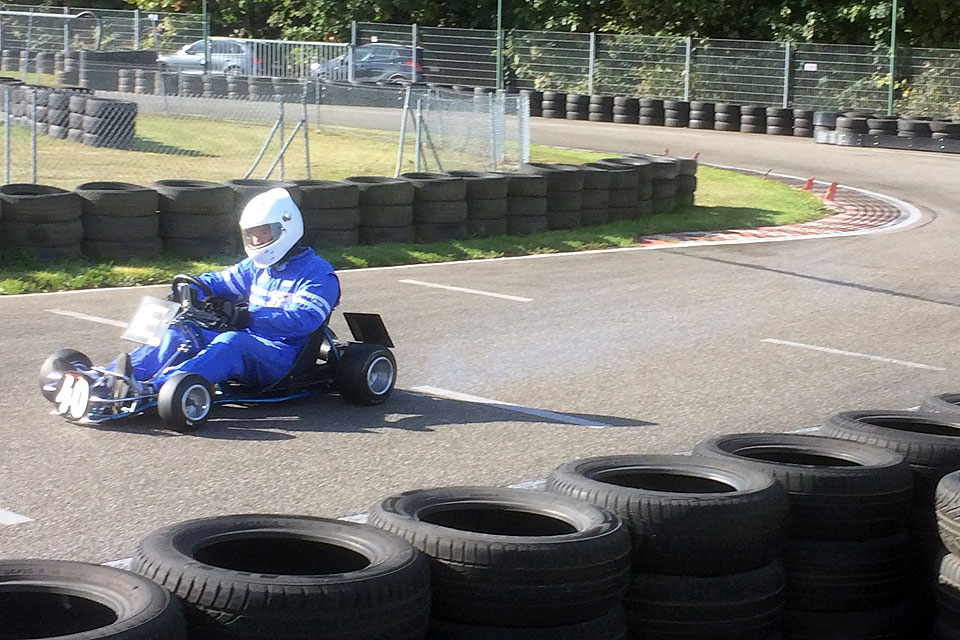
<point>665,347</point>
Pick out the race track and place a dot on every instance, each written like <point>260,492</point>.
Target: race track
<point>656,349</point>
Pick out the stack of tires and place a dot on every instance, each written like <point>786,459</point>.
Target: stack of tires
<point>707,537</point>
<point>125,80</point>
<point>601,109</point>
<point>676,113</point>
<point>626,110</point>
<point>564,192</point>
<point>702,115</point>
<point>167,83</point>
<point>652,111</point>
<point>852,125</point>
<point>10,60</point>
<point>331,213</point>
<point>238,87</point>
<point>930,442</point>
<point>386,209</point>
<point>40,222</point>
<point>847,555</point>
<point>915,127</point>
<point>145,81</point>
<point>190,85</point>
<point>802,123</point>
<point>947,621</point>
<point>945,129</point>
<point>439,206</point>
<point>58,113</point>
<point>642,166</point>
<point>509,563</point>
<point>882,126</point>
<point>595,206</point>
<point>246,576</point>
<point>120,220</point>
<point>687,181</point>
<point>824,125</point>
<point>578,106</point>
<point>526,203</point>
<point>260,88</point>
<point>624,185</point>
<point>109,123</point>
<point>753,119</point>
<point>288,89</point>
<point>779,121</point>
<point>554,104</point>
<point>664,173</point>
<point>197,218</point>
<point>486,202</point>
<point>536,101</point>
<point>214,85</point>
<point>726,117</point>
<point>41,97</point>
<point>245,189</point>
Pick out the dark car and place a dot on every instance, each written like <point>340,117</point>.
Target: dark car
<point>375,62</point>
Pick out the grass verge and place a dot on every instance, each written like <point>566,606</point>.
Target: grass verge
<point>725,200</point>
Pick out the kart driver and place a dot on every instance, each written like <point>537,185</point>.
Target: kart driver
<point>290,292</point>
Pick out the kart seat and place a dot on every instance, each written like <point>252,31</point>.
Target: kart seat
<point>306,359</point>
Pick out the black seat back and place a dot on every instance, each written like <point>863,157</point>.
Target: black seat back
<point>306,359</point>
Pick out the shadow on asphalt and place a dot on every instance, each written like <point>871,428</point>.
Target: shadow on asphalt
<point>406,410</point>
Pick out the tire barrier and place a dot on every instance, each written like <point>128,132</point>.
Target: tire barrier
<point>331,213</point>
<point>145,81</point>
<point>702,115</point>
<point>240,576</point>
<point>947,509</point>
<point>386,209</point>
<point>40,222</point>
<point>622,198</point>
<point>753,119</point>
<point>214,85</point>
<point>526,203</point>
<point>513,558</point>
<point>167,83</point>
<point>57,598</point>
<point>440,209</point>
<point>802,123</point>
<point>536,101</point>
<point>779,121</point>
<point>125,80</point>
<point>554,104</point>
<point>600,109</point>
<point>847,546</point>
<point>120,220</point>
<point>197,218</point>
<point>626,110</point>
<point>595,206</point>
<point>577,106</point>
<point>238,87</point>
<point>644,197</point>
<point>564,192</point>
<point>486,202</point>
<point>245,189</point>
<point>109,123</point>
<point>676,113</point>
<point>190,85</point>
<point>664,173</point>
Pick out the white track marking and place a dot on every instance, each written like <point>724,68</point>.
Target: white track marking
<point>854,354</point>
<point>463,290</point>
<point>540,413</point>
<point>9,517</point>
<point>89,318</point>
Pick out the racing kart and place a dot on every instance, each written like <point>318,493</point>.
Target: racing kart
<point>362,371</point>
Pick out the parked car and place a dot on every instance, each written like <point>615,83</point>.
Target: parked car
<point>226,56</point>
<point>375,62</point>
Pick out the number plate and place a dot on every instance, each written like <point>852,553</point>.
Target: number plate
<point>151,321</point>
<point>74,396</point>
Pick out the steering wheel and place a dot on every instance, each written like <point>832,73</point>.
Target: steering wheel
<point>182,278</point>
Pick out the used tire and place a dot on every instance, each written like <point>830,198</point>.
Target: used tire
<point>687,515</point>
<point>38,203</point>
<point>196,197</point>
<point>440,212</point>
<point>560,177</point>
<point>122,249</point>
<point>837,490</point>
<point>436,187</point>
<point>247,189</point>
<point>330,219</point>
<point>509,557</point>
<point>41,234</point>
<point>327,194</point>
<point>947,506</point>
<point>53,368</point>
<point>487,209</point>
<point>119,199</point>
<point>483,185</point>
<point>526,206</point>
<point>526,185</point>
<point>377,190</point>
<point>120,229</point>
<point>441,231</point>
<point>611,626</point>
<point>188,225</point>
<point>247,576</point>
<point>382,235</point>
<point>947,403</point>
<point>184,402</point>
<point>75,600</point>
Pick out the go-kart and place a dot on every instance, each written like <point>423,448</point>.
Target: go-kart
<point>363,371</point>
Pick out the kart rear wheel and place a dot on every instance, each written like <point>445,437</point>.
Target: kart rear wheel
<point>185,402</point>
<point>366,373</point>
<point>52,370</point>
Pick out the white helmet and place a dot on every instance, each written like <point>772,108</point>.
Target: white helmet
<point>271,225</point>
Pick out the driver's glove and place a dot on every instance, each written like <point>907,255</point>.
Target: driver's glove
<point>234,316</point>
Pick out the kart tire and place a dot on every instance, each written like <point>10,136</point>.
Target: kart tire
<point>610,626</point>
<point>837,490</point>
<point>687,515</point>
<point>512,557</point>
<point>60,362</point>
<point>929,442</point>
<point>327,194</point>
<point>38,203</point>
<point>185,401</point>
<point>366,373</point>
<point>293,577</point>
<point>119,199</point>
<point>948,403</point>
<point>197,197</point>
<point>80,601</point>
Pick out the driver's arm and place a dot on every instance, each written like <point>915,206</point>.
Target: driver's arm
<point>301,313</point>
<point>232,283</point>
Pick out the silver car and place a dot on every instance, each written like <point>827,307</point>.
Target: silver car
<point>226,56</point>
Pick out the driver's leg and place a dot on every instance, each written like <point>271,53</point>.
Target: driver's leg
<point>146,361</point>
<point>241,356</point>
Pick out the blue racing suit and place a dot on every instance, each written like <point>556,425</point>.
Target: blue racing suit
<point>287,302</point>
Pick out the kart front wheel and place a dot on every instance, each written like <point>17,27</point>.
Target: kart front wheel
<point>366,373</point>
<point>185,401</point>
<point>52,370</point>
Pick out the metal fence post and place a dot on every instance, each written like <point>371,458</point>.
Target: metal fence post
<point>136,29</point>
<point>33,136</point>
<point>306,126</point>
<point>687,65</point>
<point>419,129</point>
<point>590,64</point>
<point>66,31</point>
<point>893,56</point>
<point>786,74</point>
<point>6,135</point>
<point>415,37</point>
<point>282,133</point>
<point>352,52</point>
<point>523,122</point>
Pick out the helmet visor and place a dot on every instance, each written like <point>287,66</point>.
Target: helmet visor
<point>262,235</point>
